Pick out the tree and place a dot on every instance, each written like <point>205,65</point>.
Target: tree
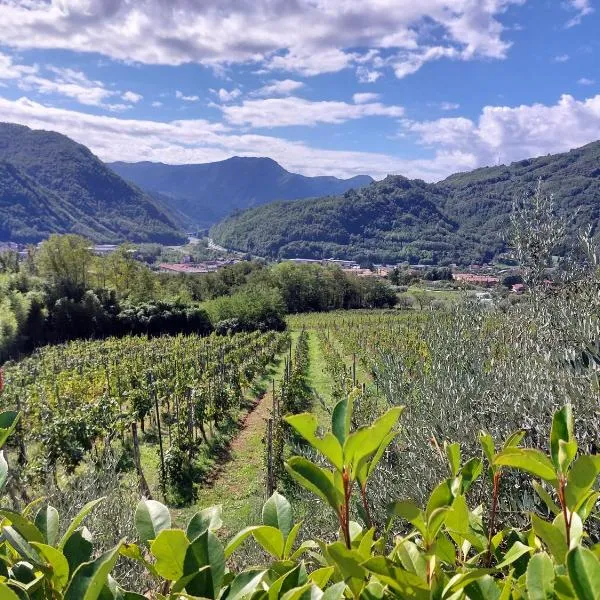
<point>536,234</point>
<point>65,260</point>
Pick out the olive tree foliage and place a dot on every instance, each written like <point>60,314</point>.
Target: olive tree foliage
<point>536,234</point>
<point>477,368</point>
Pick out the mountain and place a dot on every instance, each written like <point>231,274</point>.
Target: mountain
<point>51,184</point>
<point>206,193</point>
<point>462,219</point>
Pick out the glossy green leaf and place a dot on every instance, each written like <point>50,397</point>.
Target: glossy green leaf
<point>551,536</point>
<point>487,443</point>
<point>7,593</point>
<point>306,425</point>
<point>47,521</point>
<point>347,561</point>
<point>441,497</point>
<point>483,588</point>
<point>277,512</point>
<point>169,549</point>
<point>90,577</point>
<point>204,520</point>
<point>460,581</point>
<point>320,577</point>
<point>514,439</point>
<point>584,573</point>
<point>453,455</point>
<point>470,471</point>
<point>457,518</point>
<point>23,525</point>
<point>21,545</point>
<point>575,529</point>
<point>540,577</point>
<point>315,479</point>
<point>79,517</point>
<point>412,559</point>
<point>291,539</point>
<point>334,592</point>
<point>581,478</point>
<point>206,550</point>
<point>245,584</point>
<point>364,443</point>
<point>562,431</point>
<point>515,552</point>
<point>151,517</point>
<point>270,538</point>
<point>340,419</point>
<point>290,579</point>
<point>411,512</point>
<point>406,585</point>
<point>57,561</point>
<point>529,460</point>
<point>78,548</point>
<point>8,422</point>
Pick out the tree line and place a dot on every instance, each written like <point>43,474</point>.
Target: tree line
<point>62,291</point>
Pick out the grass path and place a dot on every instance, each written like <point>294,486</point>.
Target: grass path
<point>238,481</point>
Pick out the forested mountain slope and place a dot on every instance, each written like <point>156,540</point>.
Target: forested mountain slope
<point>51,184</point>
<point>206,193</point>
<point>462,219</point>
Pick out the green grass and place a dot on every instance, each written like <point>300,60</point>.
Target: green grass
<point>238,481</point>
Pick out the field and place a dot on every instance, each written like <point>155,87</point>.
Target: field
<point>200,421</point>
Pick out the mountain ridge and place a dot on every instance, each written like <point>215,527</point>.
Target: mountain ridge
<point>72,192</point>
<point>208,192</point>
<point>478,202</point>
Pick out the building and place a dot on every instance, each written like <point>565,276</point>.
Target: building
<point>484,280</point>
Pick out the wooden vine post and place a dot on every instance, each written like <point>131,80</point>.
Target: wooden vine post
<point>144,489</point>
<point>160,444</point>
<point>270,474</point>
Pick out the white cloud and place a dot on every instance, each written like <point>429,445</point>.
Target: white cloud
<point>309,63</point>
<point>499,135</point>
<point>582,8</point>
<point>132,97</point>
<point>585,81</point>
<point>364,75</point>
<point>157,104</point>
<point>364,98</point>
<point>228,96</point>
<point>561,58</point>
<point>303,36</point>
<point>283,87</point>
<point>449,105</point>
<point>9,70</point>
<point>196,141</point>
<point>280,112</point>
<point>72,84</point>
<point>181,96</point>
<point>504,134</point>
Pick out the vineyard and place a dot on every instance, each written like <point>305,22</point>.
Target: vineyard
<point>93,399</point>
<point>359,417</point>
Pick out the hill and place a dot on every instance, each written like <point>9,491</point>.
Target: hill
<point>208,192</point>
<point>462,219</point>
<point>51,184</point>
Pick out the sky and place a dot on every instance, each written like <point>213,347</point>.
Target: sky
<point>325,87</point>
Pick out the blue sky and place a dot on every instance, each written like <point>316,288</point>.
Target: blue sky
<point>336,87</point>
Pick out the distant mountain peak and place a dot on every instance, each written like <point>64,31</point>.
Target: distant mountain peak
<point>208,192</point>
